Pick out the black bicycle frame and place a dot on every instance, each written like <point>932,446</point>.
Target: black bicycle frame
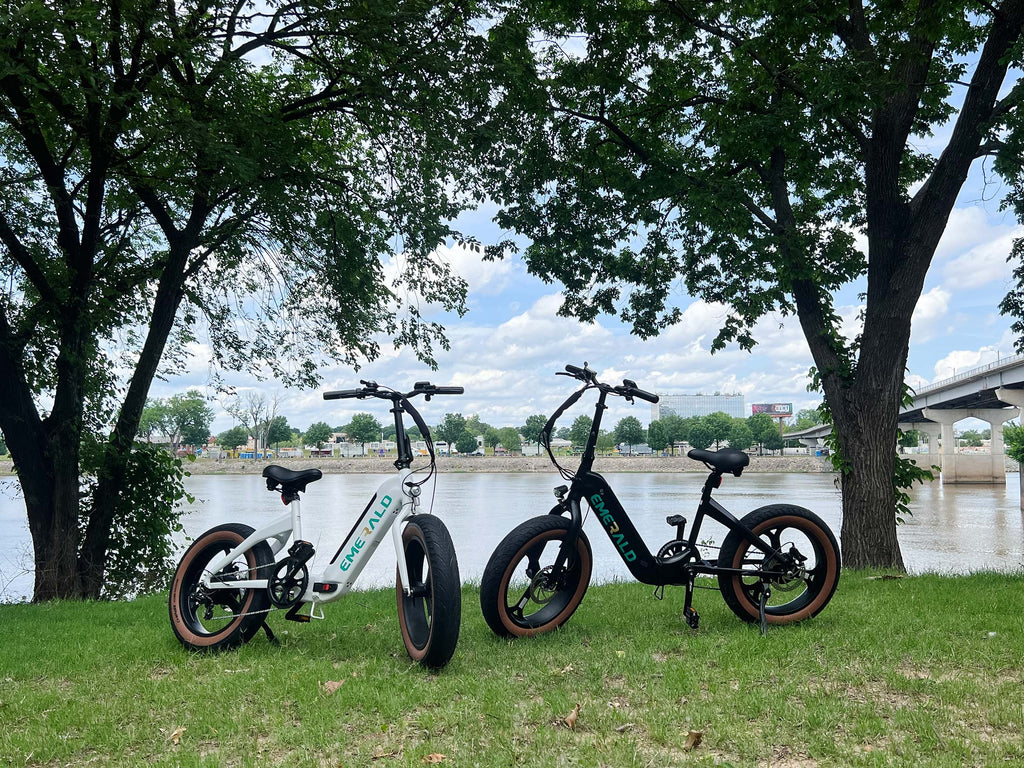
<point>592,488</point>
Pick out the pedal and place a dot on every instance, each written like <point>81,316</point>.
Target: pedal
<point>294,615</point>
<point>680,523</point>
<point>692,617</point>
<point>301,551</point>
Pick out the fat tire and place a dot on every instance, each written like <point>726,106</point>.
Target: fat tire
<point>430,623</point>
<point>254,602</point>
<point>506,558</point>
<point>814,599</point>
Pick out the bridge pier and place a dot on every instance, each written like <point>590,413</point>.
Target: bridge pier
<point>966,467</point>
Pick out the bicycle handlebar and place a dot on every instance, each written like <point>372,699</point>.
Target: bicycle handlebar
<point>371,389</point>
<point>343,394</point>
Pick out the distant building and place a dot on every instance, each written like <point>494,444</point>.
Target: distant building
<point>686,406</point>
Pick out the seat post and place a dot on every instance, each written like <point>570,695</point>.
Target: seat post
<point>296,518</point>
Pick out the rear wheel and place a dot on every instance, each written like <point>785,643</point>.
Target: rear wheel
<point>805,563</point>
<point>206,619</point>
<point>430,614</point>
<point>521,593</point>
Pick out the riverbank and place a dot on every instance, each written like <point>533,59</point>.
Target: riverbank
<point>376,464</point>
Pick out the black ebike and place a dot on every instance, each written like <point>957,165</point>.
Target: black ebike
<point>778,564</point>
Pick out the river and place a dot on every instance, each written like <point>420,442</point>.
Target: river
<point>953,529</point>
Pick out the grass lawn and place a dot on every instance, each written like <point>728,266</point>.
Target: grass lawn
<point>895,672</point>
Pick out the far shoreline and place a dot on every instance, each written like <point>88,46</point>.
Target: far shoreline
<point>488,464</point>
<point>500,464</point>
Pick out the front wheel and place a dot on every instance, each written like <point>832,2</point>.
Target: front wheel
<point>205,619</point>
<point>804,565</point>
<point>431,612</point>
<point>521,593</point>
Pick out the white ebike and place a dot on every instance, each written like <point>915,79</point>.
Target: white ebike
<point>228,580</point>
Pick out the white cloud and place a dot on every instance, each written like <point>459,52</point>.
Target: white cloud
<point>984,263</point>
<point>929,314</point>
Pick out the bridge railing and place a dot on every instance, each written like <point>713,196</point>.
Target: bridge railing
<point>1007,362</point>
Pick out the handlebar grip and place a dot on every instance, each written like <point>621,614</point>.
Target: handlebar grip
<point>342,394</point>
<point>648,396</point>
<point>449,390</point>
<point>575,370</point>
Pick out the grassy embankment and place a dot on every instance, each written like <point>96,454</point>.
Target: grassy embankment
<point>901,672</point>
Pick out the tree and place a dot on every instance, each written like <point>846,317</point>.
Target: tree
<point>319,432</point>
<point>740,436</point>
<point>579,432</point>
<point>532,429</point>
<point>675,428</point>
<point>805,419</point>
<point>364,428</point>
<point>701,435</point>
<point>605,441</point>
<point>189,418</point>
<point>510,439</point>
<point>451,428</point>
<point>233,438</point>
<point>492,437</point>
<point>256,413</point>
<point>153,420</point>
<point>220,167</point>
<point>763,429</point>
<point>466,443</point>
<point>1013,437</point>
<point>564,433</point>
<point>279,432</point>
<point>740,147</point>
<point>720,426</point>
<point>970,438</point>
<point>630,431</point>
<point>910,439</point>
<point>656,436</point>
<point>475,426</point>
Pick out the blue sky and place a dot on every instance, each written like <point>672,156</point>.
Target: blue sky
<point>507,348</point>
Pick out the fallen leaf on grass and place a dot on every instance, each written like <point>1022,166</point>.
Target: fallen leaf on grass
<point>176,734</point>
<point>331,686</point>
<point>433,757</point>
<point>566,669</point>
<point>887,577</point>
<point>624,727</point>
<point>379,753</point>
<point>693,740</point>
<point>570,719</point>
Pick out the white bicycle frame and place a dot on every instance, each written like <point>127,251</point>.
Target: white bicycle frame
<point>394,502</point>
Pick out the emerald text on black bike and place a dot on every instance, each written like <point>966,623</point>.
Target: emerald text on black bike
<point>613,528</point>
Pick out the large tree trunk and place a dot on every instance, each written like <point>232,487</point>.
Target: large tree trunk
<point>113,469</point>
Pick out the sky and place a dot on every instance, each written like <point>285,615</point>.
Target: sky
<point>506,349</point>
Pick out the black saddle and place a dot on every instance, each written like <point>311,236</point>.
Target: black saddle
<point>725,460</point>
<point>288,481</point>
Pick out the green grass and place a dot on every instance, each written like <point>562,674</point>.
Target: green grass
<point>903,672</point>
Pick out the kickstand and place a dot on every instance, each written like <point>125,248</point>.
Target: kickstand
<point>270,634</point>
<point>762,601</point>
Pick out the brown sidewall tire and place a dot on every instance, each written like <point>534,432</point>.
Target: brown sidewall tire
<point>775,516</point>
<point>507,557</point>
<point>242,627</point>
<point>429,538</point>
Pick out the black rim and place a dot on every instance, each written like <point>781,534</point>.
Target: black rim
<point>417,605</point>
<point>799,582</point>
<point>210,612</point>
<point>535,594</point>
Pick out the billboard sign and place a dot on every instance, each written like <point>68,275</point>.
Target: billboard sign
<point>775,410</point>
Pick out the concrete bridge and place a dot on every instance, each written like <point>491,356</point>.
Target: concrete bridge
<point>993,393</point>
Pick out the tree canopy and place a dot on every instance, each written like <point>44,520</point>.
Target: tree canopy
<point>221,170</point>
<point>740,148</point>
